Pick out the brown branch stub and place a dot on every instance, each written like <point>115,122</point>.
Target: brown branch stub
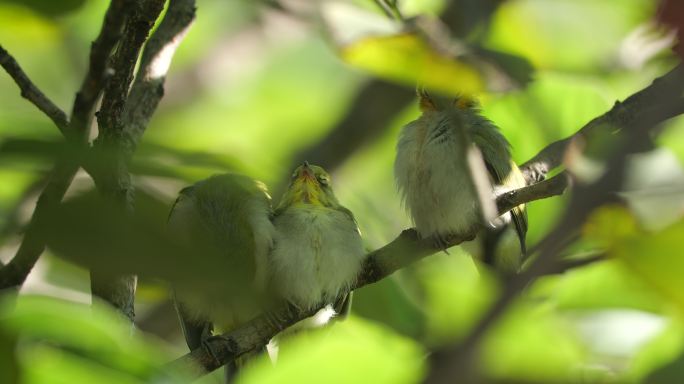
<point>30,92</point>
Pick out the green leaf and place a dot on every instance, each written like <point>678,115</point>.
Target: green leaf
<point>455,295</point>
<point>652,256</point>
<point>602,285</point>
<point>655,355</point>
<point>527,335</point>
<point>409,59</point>
<point>64,342</point>
<point>353,351</point>
<point>567,34</point>
<point>386,302</point>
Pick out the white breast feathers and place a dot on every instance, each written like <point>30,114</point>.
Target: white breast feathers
<point>318,253</point>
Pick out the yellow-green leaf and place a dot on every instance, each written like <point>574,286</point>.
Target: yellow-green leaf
<point>409,59</point>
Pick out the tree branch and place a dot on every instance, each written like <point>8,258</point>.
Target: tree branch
<point>552,187</point>
<point>101,49</point>
<point>406,249</point>
<point>647,102</point>
<point>148,88</point>
<point>31,93</point>
<point>409,248</point>
<point>114,145</point>
<point>15,272</point>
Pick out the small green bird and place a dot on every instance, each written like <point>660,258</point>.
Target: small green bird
<point>434,179</point>
<point>318,249</point>
<point>307,251</point>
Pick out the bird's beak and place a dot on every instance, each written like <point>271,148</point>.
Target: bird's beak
<point>306,172</point>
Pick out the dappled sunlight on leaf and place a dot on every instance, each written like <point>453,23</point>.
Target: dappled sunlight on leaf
<point>409,59</point>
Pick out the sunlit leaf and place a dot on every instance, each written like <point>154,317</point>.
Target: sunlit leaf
<point>352,351</point>
<point>409,59</point>
<point>660,351</point>
<point>653,256</point>
<point>526,336</point>
<point>603,285</point>
<point>536,29</point>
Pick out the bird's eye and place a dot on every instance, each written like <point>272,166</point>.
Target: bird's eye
<point>324,180</point>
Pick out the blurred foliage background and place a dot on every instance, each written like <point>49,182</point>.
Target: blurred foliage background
<point>254,89</point>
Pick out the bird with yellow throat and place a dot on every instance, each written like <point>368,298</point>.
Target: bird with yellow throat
<point>307,251</point>
<point>436,183</point>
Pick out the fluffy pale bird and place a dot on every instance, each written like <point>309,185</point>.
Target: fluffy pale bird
<point>435,181</point>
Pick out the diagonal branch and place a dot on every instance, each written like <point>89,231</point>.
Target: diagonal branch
<point>647,102</point>
<point>409,247</point>
<point>406,249</point>
<point>31,93</point>
<point>552,187</point>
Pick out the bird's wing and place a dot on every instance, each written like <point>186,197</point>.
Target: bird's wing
<point>224,223</point>
<point>503,171</point>
<point>513,180</point>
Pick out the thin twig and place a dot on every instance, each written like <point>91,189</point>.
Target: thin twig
<point>563,266</point>
<point>31,93</point>
<point>384,8</point>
